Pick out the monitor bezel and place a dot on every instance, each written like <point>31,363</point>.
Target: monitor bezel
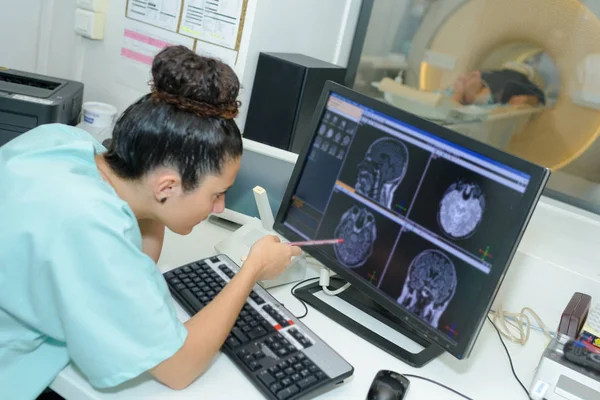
<point>539,176</point>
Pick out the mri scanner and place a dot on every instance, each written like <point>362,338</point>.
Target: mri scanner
<point>459,36</point>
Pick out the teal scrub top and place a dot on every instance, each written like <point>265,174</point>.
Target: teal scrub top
<point>75,285</point>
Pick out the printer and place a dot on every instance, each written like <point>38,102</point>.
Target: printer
<point>28,100</point>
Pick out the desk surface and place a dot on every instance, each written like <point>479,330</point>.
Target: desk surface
<point>485,375</point>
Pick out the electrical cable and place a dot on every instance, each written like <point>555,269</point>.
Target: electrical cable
<point>439,384</point>
<point>324,277</point>
<point>509,358</point>
<point>516,326</point>
<point>299,299</point>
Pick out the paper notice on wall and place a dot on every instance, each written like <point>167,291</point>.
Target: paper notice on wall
<point>141,42</point>
<point>228,56</point>
<point>162,13</point>
<point>213,21</point>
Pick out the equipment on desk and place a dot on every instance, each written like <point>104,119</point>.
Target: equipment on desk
<point>284,95</point>
<point>278,353</point>
<point>574,315</point>
<point>28,100</point>
<point>567,370</point>
<point>388,385</point>
<point>261,165</point>
<point>430,220</point>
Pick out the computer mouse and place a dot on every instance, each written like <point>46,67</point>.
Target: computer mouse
<point>388,385</point>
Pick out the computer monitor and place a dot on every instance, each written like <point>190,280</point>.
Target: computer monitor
<point>261,165</point>
<point>430,219</point>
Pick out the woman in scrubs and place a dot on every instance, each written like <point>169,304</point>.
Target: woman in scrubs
<point>81,230</point>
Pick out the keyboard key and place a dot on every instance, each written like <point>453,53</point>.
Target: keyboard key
<point>305,373</point>
<point>287,392</point>
<point>180,286</point>
<point>259,355</point>
<point>274,370</point>
<point>170,275</point>
<point>215,259</point>
<point>321,375</point>
<point>257,333</point>
<point>276,387</point>
<point>306,382</point>
<point>266,378</point>
<point>254,366</point>
<point>289,371</point>
<point>187,269</point>
<point>232,342</point>
<point>192,300</point>
<point>296,377</point>
<point>239,335</point>
<point>286,382</point>
<point>279,375</point>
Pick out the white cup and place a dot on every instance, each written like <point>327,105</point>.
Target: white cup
<point>99,115</point>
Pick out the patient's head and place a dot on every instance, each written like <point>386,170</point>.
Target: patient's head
<point>502,86</point>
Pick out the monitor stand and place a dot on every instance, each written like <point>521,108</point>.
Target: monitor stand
<point>365,304</point>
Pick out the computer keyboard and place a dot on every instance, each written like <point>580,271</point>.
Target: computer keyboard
<point>278,353</point>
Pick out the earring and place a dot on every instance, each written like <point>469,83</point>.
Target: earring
<point>163,200</point>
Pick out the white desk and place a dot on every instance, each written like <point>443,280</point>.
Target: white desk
<point>545,260</point>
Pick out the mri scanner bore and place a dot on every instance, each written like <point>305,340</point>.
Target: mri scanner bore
<point>520,75</point>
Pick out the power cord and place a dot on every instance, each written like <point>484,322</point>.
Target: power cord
<point>439,384</point>
<point>292,290</point>
<point>517,326</point>
<point>509,358</point>
<point>324,283</point>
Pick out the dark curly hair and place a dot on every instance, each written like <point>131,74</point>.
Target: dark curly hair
<point>186,122</point>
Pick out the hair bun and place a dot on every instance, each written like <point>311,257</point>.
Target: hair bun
<point>205,86</point>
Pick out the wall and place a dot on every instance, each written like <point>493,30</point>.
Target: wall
<point>316,28</point>
<point>48,45</point>
<point>19,32</point>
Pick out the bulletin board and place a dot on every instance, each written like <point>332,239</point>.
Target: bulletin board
<point>212,28</point>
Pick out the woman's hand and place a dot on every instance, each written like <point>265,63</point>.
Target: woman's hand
<point>269,257</point>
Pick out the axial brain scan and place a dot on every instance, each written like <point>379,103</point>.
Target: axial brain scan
<point>357,228</point>
<point>461,210</point>
<point>429,286</point>
<point>382,170</point>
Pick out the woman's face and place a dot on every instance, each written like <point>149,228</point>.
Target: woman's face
<point>184,210</point>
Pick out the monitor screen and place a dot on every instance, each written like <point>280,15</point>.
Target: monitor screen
<point>430,219</point>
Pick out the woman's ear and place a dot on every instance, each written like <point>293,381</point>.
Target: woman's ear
<point>166,185</point>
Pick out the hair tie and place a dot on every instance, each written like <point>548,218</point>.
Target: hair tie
<point>200,108</point>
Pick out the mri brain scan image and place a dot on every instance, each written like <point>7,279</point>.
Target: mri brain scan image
<point>429,286</point>
<point>357,228</point>
<point>461,210</point>
<point>382,170</point>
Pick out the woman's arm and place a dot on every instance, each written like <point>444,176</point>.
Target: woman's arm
<point>208,329</point>
<point>153,235</point>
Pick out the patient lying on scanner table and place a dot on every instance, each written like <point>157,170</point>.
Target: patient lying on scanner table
<point>493,88</point>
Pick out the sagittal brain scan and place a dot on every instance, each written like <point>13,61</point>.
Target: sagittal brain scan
<point>461,210</point>
<point>382,170</point>
<point>429,286</point>
<point>357,228</point>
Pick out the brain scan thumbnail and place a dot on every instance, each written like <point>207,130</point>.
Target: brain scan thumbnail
<point>429,286</point>
<point>461,210</point>
<point>382,170</point>
<point>357,228</point>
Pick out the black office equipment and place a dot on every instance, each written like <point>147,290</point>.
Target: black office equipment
<point>278,353</point>
<point>430,220</point>
<point>28,100</point>
<point>388,385</point>
<point>284,95</point>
